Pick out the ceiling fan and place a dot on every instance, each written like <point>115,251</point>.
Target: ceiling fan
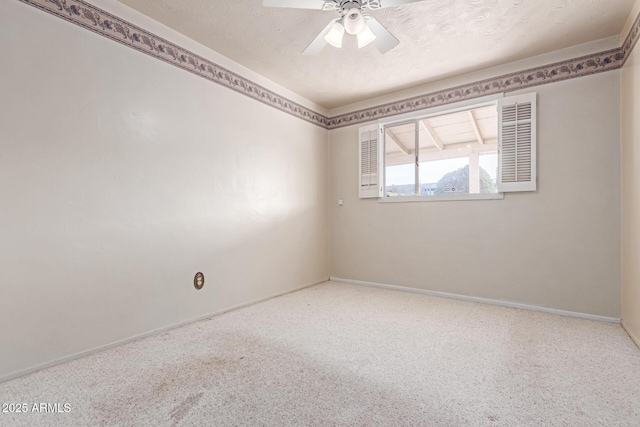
<point>352,20</point>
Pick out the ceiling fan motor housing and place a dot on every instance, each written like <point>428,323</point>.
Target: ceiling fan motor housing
<point>349,4</point>
<point>361,4</point>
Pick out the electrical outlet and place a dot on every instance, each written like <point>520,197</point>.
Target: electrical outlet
<point>198,281</point>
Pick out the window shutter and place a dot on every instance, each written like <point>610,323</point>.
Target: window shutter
<point>517,143</point>
<point>369,169</point>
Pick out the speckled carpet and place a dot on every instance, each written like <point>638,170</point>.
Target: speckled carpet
<point>345,355</point>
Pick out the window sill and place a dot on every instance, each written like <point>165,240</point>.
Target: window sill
<point>451,198</point>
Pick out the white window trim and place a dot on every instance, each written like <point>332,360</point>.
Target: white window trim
<point>450,198</point>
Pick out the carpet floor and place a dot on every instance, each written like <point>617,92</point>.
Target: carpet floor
<point>344,355</point>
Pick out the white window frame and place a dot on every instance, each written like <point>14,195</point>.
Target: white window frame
<point>453,108</point>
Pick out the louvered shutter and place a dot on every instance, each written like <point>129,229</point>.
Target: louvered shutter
<point>517,143</point>
<point>370,183</point>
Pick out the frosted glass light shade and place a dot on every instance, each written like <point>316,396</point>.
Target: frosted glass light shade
<point>354,21</point>
<point>365,37</point>
<point>335,35</point>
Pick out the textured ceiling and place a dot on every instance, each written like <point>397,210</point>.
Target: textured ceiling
<point>438,39</point>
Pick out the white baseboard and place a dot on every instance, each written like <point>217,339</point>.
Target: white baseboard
<point>78,355</point>
<point>480,300</point>
<point>633,337</point>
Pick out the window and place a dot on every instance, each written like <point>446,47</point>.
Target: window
<point>463,153</point>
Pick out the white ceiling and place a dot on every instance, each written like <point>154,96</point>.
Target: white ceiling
<point>438,39</point>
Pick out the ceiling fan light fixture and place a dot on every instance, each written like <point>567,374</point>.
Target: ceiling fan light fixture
<point>335,35</point>
<point>365,37</point>
<point>354,21</point>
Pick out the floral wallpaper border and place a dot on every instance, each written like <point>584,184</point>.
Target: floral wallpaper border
<point>578,67</point>
<point>94,19</point>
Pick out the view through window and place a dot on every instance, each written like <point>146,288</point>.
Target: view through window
<point>448,154</point>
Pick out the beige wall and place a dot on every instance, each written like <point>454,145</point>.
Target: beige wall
<point>558,247</point>
<point>630,90</point>
<point>122,176</point>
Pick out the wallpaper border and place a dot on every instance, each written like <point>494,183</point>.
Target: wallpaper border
<point>101,22</point>
<point>570,69</point>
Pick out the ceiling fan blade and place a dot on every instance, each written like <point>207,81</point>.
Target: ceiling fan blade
<point>385,41</point>
<point>316,46</point>
<point>296,4</point>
